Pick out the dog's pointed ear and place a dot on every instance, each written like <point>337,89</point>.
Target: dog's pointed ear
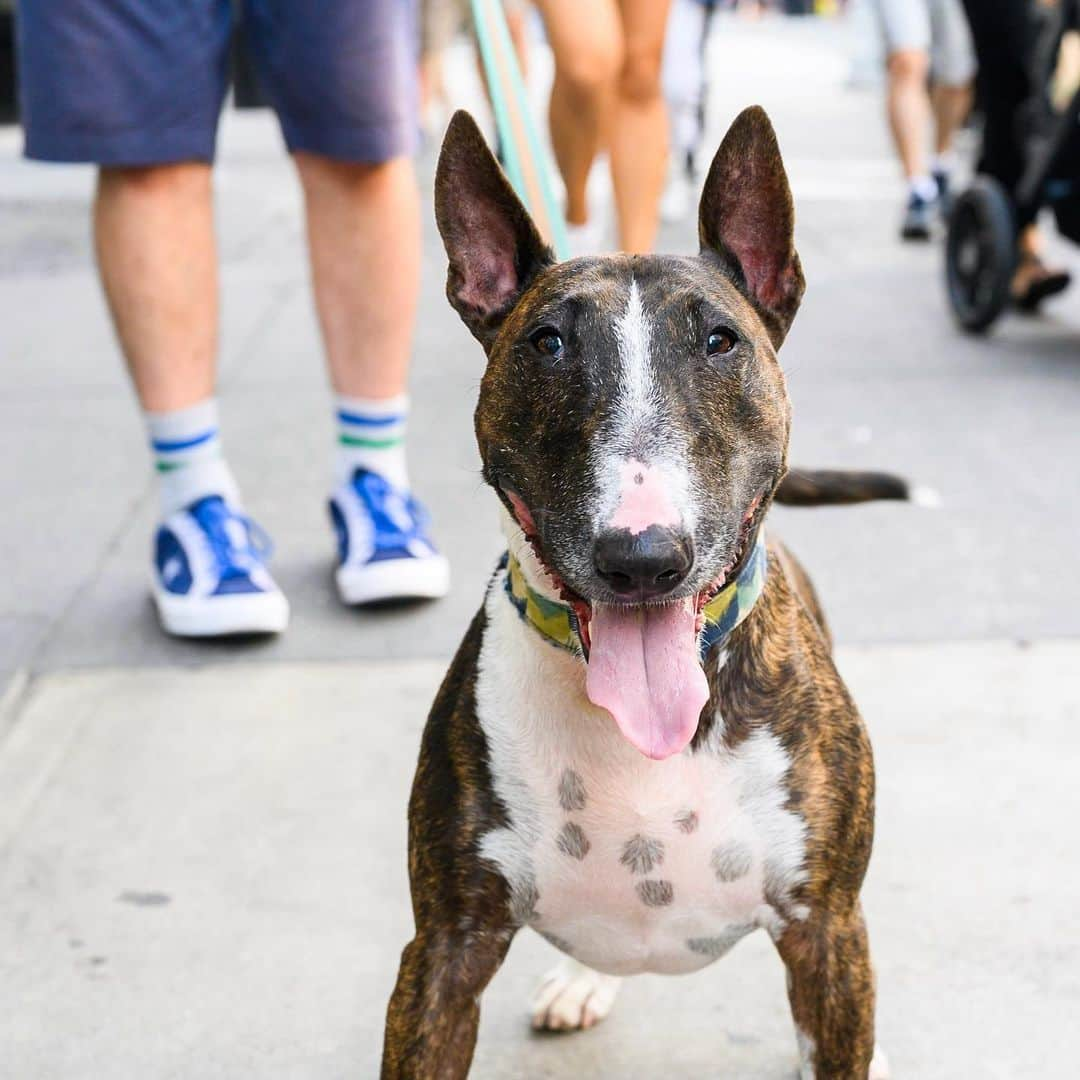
<point>493,246</point>
<point>747,218</point>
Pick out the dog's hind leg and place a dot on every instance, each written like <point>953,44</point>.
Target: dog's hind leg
<point>573,997</point>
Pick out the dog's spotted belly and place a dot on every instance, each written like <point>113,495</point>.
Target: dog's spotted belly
<point>666,888</point>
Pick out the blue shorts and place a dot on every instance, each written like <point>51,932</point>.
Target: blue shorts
<point>141,82</point>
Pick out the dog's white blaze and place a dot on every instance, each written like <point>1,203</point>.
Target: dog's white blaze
<point>639,433</point>
<point>632,331</point>
<point>538,723</point>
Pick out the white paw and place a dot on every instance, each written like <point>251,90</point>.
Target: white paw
<point>879,1066</point>
<point>573,997</point>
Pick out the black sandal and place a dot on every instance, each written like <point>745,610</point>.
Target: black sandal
<point>1041,286</point>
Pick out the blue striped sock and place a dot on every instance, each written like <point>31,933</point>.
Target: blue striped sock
<point>371,435</point>
<point>186,445</point>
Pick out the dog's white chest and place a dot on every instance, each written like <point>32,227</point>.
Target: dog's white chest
<point>627,864</point>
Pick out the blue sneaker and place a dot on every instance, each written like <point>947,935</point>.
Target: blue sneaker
<point>210,575</point>
<point>384,551</point>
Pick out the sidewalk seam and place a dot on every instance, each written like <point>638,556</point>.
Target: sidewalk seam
<point>13,699</point>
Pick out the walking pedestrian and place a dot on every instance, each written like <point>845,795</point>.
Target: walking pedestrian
<point>925,41</point>
<point>1005,36</point>
<point>607,94</point>
<point>136,87</point>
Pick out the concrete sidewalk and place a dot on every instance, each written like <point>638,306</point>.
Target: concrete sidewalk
<point>198,882</point>
<point>202,866</point>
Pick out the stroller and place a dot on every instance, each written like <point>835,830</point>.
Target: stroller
<point>981,242</point>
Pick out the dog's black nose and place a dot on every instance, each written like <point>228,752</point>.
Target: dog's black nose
<point>643,565</point>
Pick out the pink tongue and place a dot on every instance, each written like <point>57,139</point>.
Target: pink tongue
<point>644,669</point>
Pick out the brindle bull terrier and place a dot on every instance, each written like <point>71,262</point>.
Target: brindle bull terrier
<point>642,749</point>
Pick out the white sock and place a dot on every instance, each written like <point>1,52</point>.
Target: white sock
<point>924,187</point>
<point>187,455</point>
<point>943,163</point>
<point>371,435</point>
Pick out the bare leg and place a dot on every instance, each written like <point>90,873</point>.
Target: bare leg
<point>154,235</point>
<point>587,43</point>
<point>951,106</point>
<point>639,128</point>
<point>1030,243</point>
<point>909,109</point>
<point>1034,281</point>
<point>364,237</point>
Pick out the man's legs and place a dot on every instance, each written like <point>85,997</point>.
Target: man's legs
<point>137,90</point>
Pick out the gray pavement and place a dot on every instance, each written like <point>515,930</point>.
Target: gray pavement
<point>198,882</point>
<point>201,846</point>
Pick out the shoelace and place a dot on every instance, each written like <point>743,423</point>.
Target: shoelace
<point>214,517</point>
<point>379,496</point>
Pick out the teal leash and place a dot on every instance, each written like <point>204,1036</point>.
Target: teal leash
<point>493,36</point>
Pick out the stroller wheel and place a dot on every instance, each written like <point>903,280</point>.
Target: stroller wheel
<point>980,254</point>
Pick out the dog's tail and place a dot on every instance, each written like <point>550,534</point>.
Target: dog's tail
<point>827,487</point>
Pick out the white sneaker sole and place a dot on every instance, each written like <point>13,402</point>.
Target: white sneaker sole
<point>394,579</point>
<point>239,613</point>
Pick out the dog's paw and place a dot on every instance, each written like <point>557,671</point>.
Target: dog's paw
<point>879,1066</point>
<point>573,997</point>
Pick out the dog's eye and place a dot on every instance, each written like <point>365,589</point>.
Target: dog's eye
<point>721,340</point>
<point>546,341</point>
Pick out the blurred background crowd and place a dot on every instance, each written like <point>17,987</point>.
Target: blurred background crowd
<point>627,88</point>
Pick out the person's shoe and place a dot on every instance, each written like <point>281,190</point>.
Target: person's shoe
<point>1035,282</point>
<point>384,551</point>
<point>210,576</point>
<point>918,217</point>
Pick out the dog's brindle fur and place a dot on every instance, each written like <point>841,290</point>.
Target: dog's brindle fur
<point>538,425</point>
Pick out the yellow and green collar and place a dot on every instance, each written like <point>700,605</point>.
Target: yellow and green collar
<point>558,623</point>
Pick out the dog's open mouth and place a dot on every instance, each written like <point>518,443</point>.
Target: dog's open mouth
<point>644,666</point>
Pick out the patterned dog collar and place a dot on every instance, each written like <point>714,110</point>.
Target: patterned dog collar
<point>558,623</point>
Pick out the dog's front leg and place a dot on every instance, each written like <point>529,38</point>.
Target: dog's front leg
<point>435,1008</point>
<point>831,990</point>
